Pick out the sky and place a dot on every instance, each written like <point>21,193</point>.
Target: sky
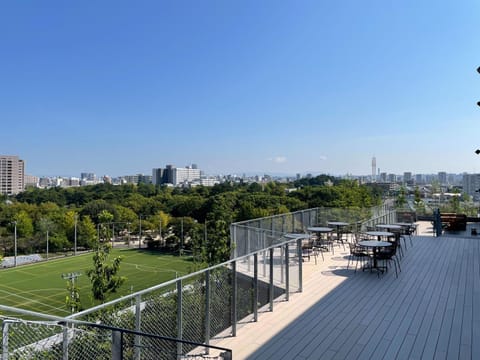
<point>282,87</point>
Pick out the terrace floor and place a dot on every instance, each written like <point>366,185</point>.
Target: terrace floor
<point>431,311</point>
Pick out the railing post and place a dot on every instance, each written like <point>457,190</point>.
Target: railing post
<point>234,298</point>
<point>179,317</point>
<point>271,279</point>
<point>5,326</point>
<point>282,265</point>
<point>287,274</point>
<point>65,342</point>
<point>117,345</point>
<point>255,287</point>
<point>138,327</point>
<point>300,265</point>
<point>207,309</point>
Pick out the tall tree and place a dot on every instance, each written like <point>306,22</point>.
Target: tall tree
<point>104,274</point>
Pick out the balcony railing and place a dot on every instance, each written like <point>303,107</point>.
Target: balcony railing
<point>193,309</point>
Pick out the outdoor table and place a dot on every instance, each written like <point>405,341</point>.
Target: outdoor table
<point>297,236</point>
<point>374,245</point>
<point>389,227</point>
<point>320,230</point>
<point>396,229</point>
<point>380,234</point>
<point>408,226</point>
<point>338,225</point>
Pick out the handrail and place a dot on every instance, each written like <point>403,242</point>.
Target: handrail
<point>174,281</point>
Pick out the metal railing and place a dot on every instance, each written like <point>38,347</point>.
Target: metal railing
<point>197,308</point>
<point>251,235</point>
<point>193,309</point>
<point>57,338</point>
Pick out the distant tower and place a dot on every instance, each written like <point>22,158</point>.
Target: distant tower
<point>374,168</point>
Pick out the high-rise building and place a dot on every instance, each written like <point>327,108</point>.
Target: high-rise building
<point>88,176</point>
<point>12,175</point>
<point>471,185</point>
<point>175,176</point>
<point>407,177</point>
<point>442,178</point>
<point>374,169</point>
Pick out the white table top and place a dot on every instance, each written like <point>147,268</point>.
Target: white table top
<point>389,226</point>
<point>379,233</point>
<point>374,243</point>
<point>404,224</point>
<point>297,236</point>
<point>338,223</point>
<point>320,229</point>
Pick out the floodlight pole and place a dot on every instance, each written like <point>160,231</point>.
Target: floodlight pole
<point>140,236</point>
<point>71,277</point>
<point>181,238</point>
<point>75,237</point>
<point>15,244</point>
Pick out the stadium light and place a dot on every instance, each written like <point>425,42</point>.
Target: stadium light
<point>75,236</point>
<point>15,244</point>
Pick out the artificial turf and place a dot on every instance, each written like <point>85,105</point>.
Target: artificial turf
<point>40,287</point>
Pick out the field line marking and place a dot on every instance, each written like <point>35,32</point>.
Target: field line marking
<point>31,300</point>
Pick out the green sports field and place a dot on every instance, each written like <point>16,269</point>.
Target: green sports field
<point>40,287</point>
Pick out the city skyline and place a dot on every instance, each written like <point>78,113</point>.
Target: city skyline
<point>241,87</point>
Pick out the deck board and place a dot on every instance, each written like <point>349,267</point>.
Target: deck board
<point>430,312</point>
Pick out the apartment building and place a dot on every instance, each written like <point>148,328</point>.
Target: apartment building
<point>12,175</point>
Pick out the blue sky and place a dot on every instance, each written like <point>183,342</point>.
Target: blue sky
<point>116,87</point>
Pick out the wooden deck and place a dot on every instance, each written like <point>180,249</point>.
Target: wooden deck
<point>432,311</point>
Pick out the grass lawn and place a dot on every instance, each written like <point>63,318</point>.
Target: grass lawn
<point>40,287</point>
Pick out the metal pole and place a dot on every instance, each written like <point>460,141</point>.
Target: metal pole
<point>234,298</point>
<point>255,287</point>
<point>128,235</point>
<point>47,244</point>
<point>271,293</point>
<point>140,236</point>
<point>179,318</point>
<point>181,238</point>
<point>75,237</point>
<point>5,334</point>
<point>15,236</point>
<point>300,265</point>
<point>207,309</point>
<point>287,274</point>
<point>138,326</point>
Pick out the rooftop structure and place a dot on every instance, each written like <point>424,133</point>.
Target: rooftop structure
<point>428,312</point>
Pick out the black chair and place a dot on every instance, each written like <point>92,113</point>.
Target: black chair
<point>307,249</point>
<point>357,253</point>
<point>389,254</point>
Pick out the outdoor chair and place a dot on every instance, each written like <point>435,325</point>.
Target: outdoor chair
<point>327,243</point>
<point>389,254</point>
<point>357,253</point>
<point>408,231</point>
<point>307,249</point>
